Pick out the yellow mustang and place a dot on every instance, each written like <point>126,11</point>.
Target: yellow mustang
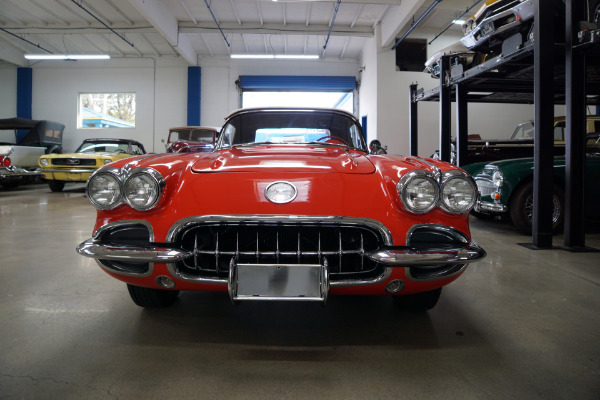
<point>59,169</point>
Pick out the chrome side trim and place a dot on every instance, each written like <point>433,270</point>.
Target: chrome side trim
<point>112,225</point>
<point>295,219</point>
<point>410,257</point>
<point>71,170</point>
<point>93,249</point>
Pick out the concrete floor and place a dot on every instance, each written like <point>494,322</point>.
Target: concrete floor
<point>521,324</point>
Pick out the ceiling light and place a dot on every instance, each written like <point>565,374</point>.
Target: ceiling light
<point>277,56</point>
<point>67,56</point>
<point>458,21</point>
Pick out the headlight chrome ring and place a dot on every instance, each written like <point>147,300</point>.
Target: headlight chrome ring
<point>419,191</point>
<point>143,188</point>
<point>103,189</point>
<point>458,192</point>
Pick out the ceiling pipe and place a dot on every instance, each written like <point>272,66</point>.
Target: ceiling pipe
<point>102,22</point>
<point>414,24</point>
<point>25,40</point>
<point>337,7</point>
<point>457,18</point>
<point>217,22</point>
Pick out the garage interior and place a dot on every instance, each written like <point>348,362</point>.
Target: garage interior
<point>522,323</point>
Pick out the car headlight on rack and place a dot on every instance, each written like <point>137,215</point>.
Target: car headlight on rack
<point>458,192</point>
<point>143,188</point>
<point>418,191</point>
<point>104,190</point>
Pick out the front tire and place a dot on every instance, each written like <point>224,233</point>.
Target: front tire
<point>152,298</point>
<point>521,209</point>
<point>418,302</point>
<point>56,186</point>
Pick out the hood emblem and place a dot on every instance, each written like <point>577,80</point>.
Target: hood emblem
<point>281,192</point>
<point>72,161</point>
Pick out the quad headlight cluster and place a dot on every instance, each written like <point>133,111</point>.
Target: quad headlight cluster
<point>421,191</point>
<point>141,188</point>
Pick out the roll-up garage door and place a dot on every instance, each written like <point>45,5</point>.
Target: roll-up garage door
<point>303,83</point>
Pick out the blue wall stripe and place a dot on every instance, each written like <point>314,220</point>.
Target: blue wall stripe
<point>308,83</point>
<point>194,96</point>
<point>24,97</point>
<point>24,92</point>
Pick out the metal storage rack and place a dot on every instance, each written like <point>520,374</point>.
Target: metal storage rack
<point>535,72</point>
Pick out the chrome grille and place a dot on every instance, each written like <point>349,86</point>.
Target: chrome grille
<point>485,186</point>
<point>74,162</point>
<point>214,245</point>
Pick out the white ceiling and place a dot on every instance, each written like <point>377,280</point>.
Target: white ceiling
<point>186,28</point>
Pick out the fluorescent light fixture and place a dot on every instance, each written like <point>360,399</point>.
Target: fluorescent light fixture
<point>277,56</point>
<point>458,21</point>
<point>298,57</point>
<point>67,56</point>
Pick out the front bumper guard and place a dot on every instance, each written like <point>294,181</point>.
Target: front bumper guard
<point>16,172</point>
<point>404,257</point>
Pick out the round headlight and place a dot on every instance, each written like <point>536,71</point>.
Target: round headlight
<point>44,162</point>
<point>107,161</point>
<point>458,193</point>
<point>143,189</point>
<point>104,191</point>
<point>497,178</point>
<point>418,191</point>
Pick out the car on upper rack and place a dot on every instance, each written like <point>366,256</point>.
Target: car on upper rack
<point>290,206</point>
<point>511,22</point>
<point>506,187</point>
<point>192,139</point>
<point>59,169</point>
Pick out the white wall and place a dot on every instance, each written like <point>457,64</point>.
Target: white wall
<point>8,90</point>
<point>161,96</point>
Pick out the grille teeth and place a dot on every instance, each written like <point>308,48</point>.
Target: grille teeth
<point>344,247</point>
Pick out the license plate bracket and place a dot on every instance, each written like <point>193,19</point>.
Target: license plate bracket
<point>287,282</point>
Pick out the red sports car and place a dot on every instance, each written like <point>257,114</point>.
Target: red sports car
<point>290,206</point>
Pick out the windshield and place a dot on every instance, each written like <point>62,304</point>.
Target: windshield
<point>196,135</point>
<point>327,128</point>
<point>101,147</point>
<point>523,131</point>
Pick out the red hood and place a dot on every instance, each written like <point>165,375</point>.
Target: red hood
<point>286,159</point>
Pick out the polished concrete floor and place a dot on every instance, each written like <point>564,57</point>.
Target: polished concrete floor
<point>521,324</point>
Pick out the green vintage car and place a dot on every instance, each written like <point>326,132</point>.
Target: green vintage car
<point>506,187</point>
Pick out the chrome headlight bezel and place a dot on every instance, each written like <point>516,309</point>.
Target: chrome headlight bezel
<point>408,181</point>
<point>498,178</point>
<point>111,173</point>
<point>150,175</point>
<point>447,179</point>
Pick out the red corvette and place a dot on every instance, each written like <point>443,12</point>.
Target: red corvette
<point>290,206</point>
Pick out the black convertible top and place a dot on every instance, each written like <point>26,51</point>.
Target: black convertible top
<point>41,132</point>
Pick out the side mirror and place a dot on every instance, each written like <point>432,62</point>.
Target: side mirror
<point>376,148</point>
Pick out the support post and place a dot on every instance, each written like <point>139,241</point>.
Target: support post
<point>24,97</point>
<point>413,138</point>
<point>445,108</point>
<point>544,126</point>
<point>576,129</point>
<point>462,125</point>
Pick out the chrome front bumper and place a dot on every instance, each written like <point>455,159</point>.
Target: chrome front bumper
<point>490,207</point>
<point>15,172</point>
<point>404,257</point>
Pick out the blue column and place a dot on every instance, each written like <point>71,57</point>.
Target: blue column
<point>24,97</point>
<point>194,95</point>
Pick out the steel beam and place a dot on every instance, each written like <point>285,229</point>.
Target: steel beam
<point>462,127</point>
<point>413,122</point>
<point>445,109</point>
<point>544,127</point>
